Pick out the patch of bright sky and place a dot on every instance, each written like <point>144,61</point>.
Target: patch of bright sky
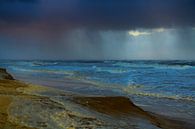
<point>136,33</point>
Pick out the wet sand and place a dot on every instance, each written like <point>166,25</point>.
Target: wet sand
<point>22,108</point>
<point>123,107</point>
<point>6,95</point>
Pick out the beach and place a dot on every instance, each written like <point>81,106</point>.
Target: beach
<point>28,106</point>
<point>97,64</point>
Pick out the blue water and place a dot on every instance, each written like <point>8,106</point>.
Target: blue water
<point>166,79</point>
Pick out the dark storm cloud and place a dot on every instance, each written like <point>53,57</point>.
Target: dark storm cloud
<point>96,29</point>
<point>17,11</point>
<point>101,14</point>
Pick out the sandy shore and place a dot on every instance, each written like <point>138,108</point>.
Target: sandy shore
<point>8,88</point>
<point>26,106</point>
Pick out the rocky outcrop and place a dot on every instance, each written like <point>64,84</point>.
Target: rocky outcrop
<point>5,75</point>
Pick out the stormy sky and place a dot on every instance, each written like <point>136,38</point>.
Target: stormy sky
<point>97,29</point>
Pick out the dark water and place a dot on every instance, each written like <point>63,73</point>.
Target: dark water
<point>146,82</point>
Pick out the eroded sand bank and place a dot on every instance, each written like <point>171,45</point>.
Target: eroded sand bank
<point>27,106</point>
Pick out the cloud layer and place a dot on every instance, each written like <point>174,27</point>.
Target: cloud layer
<point>97,29</point>
<point>98,14</point>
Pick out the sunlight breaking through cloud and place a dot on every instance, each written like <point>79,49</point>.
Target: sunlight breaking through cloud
<point>138,33</point>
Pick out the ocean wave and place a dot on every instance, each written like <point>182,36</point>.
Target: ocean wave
<point>42,71</point>
<point>154,65</point>
<point>134,91</point>
<point>178,63</point>
<point>112,70</point>
<point>44,63</point>
<point>97,74</point>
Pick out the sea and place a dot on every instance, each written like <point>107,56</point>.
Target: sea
<point>163,87</point>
